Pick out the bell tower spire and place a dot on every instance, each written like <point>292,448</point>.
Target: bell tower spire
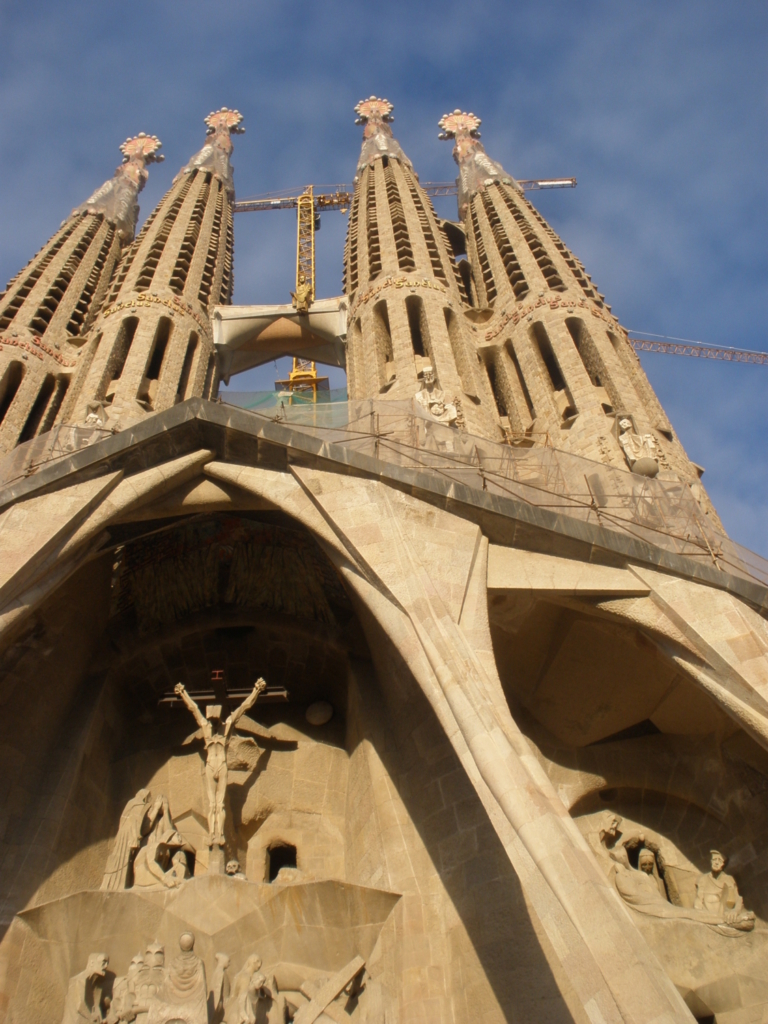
<point>406,294</point>
<point>560,363</point>
<point>152,344</point>
<point>47,310</point>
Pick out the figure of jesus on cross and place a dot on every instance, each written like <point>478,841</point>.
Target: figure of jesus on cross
<point>216,736</point>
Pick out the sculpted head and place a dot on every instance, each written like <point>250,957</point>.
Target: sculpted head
<point>155,955</point>
<point>428,375</point>
<point>135,965</point>
<point>646,861</point>
<point>97,965</point>
<point>625,424</point>
<point>253,963</point>
<point>611,825</point>
<point>717,861</point>
<point>187,942</point>
<point>233,867</point>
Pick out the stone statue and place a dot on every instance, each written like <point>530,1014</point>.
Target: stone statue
<point>643,890</point>
<point>162,859</point>
<point>717,893</point>
<point>219,994</point>
<point>216,736</point>
<point>302,297</point>
<point>640,450</point>
<point>148,980</point>
<point>85,994</point>
<point>249,988</point>
<point>183,996</point>
<point>233,869</point>
<point>124,1005</point>
<point>135,822</point>
<point>433,400</point>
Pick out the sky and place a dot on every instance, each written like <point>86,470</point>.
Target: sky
<point>658,109</point>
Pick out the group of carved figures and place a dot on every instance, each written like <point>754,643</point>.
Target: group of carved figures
<point>650,887</point>
<point>151,993</point>
<point>148,851</point>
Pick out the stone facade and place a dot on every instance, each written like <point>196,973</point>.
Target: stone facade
<point>367,714</point>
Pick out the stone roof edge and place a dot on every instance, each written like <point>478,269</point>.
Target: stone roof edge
<point>428,486</point>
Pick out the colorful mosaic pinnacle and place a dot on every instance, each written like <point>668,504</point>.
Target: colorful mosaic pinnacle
<point>459,123</point>
<point>373,109</point>
<point>142,147</point>
<point>224,120</point>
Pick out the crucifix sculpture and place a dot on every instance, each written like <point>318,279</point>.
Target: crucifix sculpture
<point>216,734</point>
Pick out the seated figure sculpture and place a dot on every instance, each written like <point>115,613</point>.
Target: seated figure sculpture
<point>85,995</point>
<point>643,890</point>
<point>717,893</point>
<point>183,995</point>
<point>432,398</point>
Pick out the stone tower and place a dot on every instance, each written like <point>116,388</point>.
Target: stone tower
<point>560,364</point>
<point>48,308</point>
<point>151,345</point>
<point>406,294</point>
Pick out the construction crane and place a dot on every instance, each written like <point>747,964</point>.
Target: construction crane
<point>303,383</point>
<point>681,347</point>
<point>309,204</point>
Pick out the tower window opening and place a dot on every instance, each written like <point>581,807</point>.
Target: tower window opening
<point>385,161</point>
<point>382,336</point>
<point>465,277</point>
<point>126,262</point>
<point>227,277</point>
<point>36,413</point>
<point>351,246</point>
<point>460,354</point>
<point>372,227</point>
<point>209,270</point>
<point>15,304</point>
<point>144,280</point>
<point>414,308</point>
<point>505,250</point>
<point>209,376</point>
<point>426,229</point>
<point>58,289</point>
<point>162,336</point>
<point>188,246</point>
<point>486,273</point>
<point>403,248</point>
<point>62,386</point>
<point>563,399</point>
<point>186,368</point>
<point>121,349</point>
<point>81,311</point>
<point>281,855</point>
<point>546,266</point>
<point>9,387</point>
<point>498,397</point>
<point>521,380</point>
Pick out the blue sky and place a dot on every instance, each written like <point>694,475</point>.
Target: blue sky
<point>657,108</point>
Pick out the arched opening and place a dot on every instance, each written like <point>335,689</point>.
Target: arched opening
<point>9,387</point>
<point>279,856</point>
<point>186,369</point>
<point>39,406</point>
<point>414,307</point>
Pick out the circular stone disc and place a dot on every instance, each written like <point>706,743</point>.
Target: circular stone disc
<point>319,713</point>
